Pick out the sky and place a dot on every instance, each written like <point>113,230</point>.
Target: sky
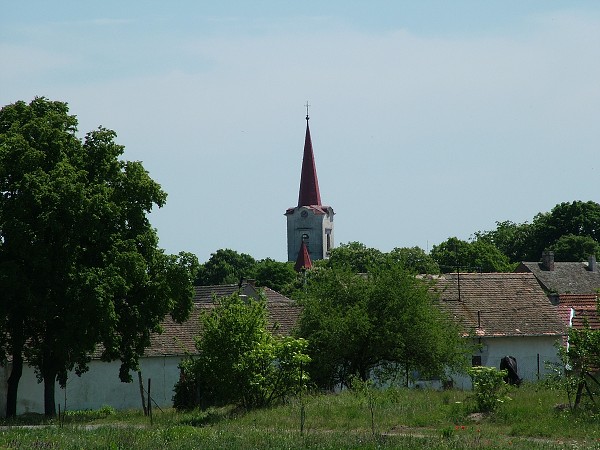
<point>429,119</point>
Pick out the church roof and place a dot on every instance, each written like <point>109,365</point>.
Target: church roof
<point>309,184</point>
<point>303,261</point>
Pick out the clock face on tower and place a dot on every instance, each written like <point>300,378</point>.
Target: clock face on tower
<point>304,214</point>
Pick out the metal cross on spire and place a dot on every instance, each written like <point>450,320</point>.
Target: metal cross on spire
<point>307,105</point>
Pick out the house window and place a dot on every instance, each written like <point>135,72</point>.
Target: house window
<point>476,360</point>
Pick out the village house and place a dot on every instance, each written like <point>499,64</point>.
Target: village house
<point>101,385</point>
<point>503,314</point>
<point>557,277</point>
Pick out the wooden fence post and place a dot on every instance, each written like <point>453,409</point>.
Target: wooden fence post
<point>149,401</point>
<point>142,393</point>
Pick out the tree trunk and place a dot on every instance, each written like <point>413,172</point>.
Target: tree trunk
<point>13,384</point>
<point>49,385</point>
<point>580,387</point>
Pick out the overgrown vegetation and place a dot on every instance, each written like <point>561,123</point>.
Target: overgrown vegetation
<point>239,360</point>
<point>393,418</point>
<point>382,323</point>
<point>489,388</point>
<point>577,374</point>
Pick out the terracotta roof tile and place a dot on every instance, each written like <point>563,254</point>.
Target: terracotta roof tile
<point>303,261</point>
<point>583,316</point>
<point>498,304</point>
<point>179,339</point>
<point>568,302</point>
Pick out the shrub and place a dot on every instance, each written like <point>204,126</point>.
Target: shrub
<point>489,388</point>
<point>240,362</point>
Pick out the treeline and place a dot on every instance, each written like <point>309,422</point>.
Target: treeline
<point>570,230</point>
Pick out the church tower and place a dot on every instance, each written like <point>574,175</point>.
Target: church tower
<point>310,224</point>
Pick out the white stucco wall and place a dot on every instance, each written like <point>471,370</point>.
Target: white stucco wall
<point>527,350</point>
<point>315,226</point>
<point>97,387</point>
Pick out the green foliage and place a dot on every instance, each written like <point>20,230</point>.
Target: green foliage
<point>570,229</point>
<point>570,247</point>
<point>489,388</point>
<point>577,373</point>
<point>276,275</point>
<point>576,218</point>
<point>365,390</point>
<point>226,266</point>
<point>385,319</point>
<point>89,414</point>
<point>512,239</point>
<point>414,260</point>
<point>474,256</point>
<point>239,361</point>
<point>79,261</point>
<point>356,257</point>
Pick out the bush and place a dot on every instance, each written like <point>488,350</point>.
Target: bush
<point>489,388</point>
<point>239,361</point>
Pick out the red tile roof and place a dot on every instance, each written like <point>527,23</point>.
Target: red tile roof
<point>572,305</point>
<point>585,316</point>
<point>303,261</point>
<point>584,300</point>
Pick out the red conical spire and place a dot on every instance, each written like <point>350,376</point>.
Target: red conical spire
<point>309,184</point>
<point>303,261</point>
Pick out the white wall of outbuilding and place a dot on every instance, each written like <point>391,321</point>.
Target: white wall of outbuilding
<point>531,352</point>
<point>98,387</point>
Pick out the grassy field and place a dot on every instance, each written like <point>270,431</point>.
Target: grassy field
<point>394,418</point>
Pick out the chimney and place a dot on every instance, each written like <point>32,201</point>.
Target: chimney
<point>548,260</point>
<point>592,263</point>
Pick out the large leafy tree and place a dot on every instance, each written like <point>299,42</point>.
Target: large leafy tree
<point>577,218</point>
<point>77,251</point>
<point>512,239</point>
<point>414,259</point>
<point>276,275</point>
<point>387,319</point>
<point>570,229</point>
<point>570,247</point>
<point>475,256</point>
<point>355,256</point>
<point>226,266</point>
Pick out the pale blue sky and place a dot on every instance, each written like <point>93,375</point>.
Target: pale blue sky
<point>429,119</point>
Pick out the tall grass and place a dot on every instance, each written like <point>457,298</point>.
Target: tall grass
<point>416,419</point>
